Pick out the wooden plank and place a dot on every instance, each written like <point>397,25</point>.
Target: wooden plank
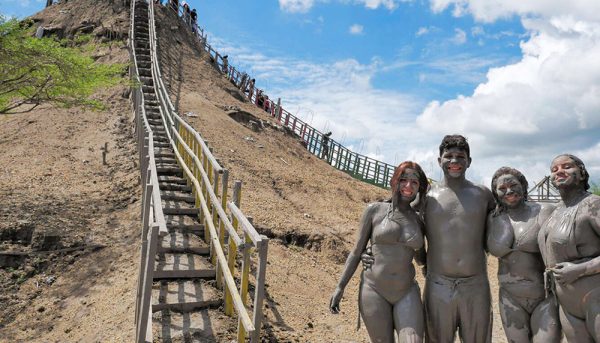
<point>184,274</point>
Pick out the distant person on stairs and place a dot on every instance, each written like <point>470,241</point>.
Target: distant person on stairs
<point>226,64</point>
<point>194,18</point>
<point>325,146</point>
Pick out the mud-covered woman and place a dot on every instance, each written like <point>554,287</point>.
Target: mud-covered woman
<point>389,298</point>
<point>570,245</point>
<point>527,315</point>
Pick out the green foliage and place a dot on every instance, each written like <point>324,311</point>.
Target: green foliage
<point>595,188</point>
<point>34,71</point>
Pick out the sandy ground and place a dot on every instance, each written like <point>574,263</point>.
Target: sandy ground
<point>53,178</point>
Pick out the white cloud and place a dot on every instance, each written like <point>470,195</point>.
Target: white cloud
<point>422,31</point>
<point>491,10</point>
<point>460,37</point>
<point>356,29</point>
<point>373,4</point>
<point>477,31</point>
<point>298,6</point>
<point>303,6</point>
<point>527,112</point>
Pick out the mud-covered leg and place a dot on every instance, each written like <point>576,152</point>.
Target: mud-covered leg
<point>409,318</point>
<point>592,314</point>
<point>475,312</point>
<point>440,313</point>
<point>377,315</point>
<point>545,323</point>
<point>515,319</point>
<point>574,328</point>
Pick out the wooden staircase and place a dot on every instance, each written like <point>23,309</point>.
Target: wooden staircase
<point>183,278</point>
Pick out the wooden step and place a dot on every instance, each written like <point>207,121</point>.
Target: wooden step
<point>167,168</point>
<point>183,266</point>
<point>163,153</point>
<point>183,243</point>
<point>184,295</point>
<point>165,160</point>
<point>178,196</point>
<point>197,326</point>
<point>172,179</point>
<point>162,145</point>
<point>184,223</point>
<point>178,207</point>
<point>175,187</point>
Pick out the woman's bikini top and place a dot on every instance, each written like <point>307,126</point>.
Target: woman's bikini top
<point>397,228</point>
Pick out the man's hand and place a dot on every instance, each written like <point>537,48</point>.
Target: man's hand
<point>567,272</point>
<point>367,259</point>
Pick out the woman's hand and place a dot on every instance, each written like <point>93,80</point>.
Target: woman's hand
<point>567,272</point>
<point>334,303</point>
<point>367,259</point>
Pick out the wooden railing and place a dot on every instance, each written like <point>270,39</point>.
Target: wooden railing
<point>359,166</point>
<point>153,220</point>
<point>209,183</point>
<point>543,191</point>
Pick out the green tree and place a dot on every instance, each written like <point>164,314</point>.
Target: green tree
<point>34,71</point>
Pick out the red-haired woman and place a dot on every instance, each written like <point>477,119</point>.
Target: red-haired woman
<point>389,297</point>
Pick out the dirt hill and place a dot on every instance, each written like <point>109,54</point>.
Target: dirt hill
<point>54,182</point>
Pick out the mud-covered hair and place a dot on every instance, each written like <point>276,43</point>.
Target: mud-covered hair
<point>511,171</point>
<point>455,141</point>
<point>581,165</point>
<point>423,181</point>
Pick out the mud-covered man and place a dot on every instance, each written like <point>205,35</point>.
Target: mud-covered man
<point>457,292</point>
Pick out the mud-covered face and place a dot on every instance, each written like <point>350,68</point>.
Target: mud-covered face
<point>454,162</point>
<point>509,190</point>
<point>565,172</point>
<point>408,184</point>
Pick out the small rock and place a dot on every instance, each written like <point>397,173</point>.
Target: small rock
<point>50,280</point>
<point>41,309</point>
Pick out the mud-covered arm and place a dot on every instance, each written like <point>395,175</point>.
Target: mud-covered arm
<point>500,235</point>
<point>490,205</point>
<point>545,213</point>
<point>364,234</point>
<point>592,266</point>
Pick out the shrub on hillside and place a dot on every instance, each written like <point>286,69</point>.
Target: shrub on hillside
<point>35,71</point>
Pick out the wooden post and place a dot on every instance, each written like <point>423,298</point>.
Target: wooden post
<point>237,194</point>
<point>144,252</point>
<point>259,295</point>
<point>214,215</point>
<point>245,266</point>
<point>145,309</point>
<point>279,111</point>
<point>104,152</point>
<point>221,231</point>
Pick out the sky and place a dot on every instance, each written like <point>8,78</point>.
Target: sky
<point>519,78</point>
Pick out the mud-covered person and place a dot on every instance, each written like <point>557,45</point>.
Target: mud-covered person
<point>457,291</point>
<point>513,227</point>
<point>570,245</point>
<point>389,298</point>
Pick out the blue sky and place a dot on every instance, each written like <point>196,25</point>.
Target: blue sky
<point>519,78</point>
